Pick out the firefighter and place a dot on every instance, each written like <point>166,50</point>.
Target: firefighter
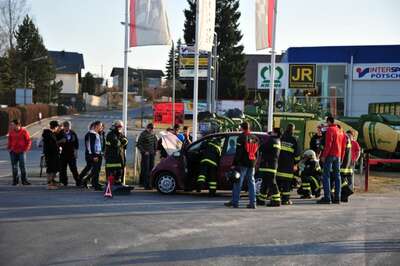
<point>310,173</point>
<point>116,143</point>
<point>211,153</point>
<point>316,142</point>
<point>346,170</point>
<point>268,168</point>
<point>288,158</point>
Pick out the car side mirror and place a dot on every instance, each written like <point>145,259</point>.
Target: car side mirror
<point>177,154</point>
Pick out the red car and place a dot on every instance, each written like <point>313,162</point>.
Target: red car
<point>180,170</point>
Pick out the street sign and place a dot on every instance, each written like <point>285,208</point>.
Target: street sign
<point>188,62</point>
<point>302,76</point>
<point>264,76</point>
<point>189,73</point>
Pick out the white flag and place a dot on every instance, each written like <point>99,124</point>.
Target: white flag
<point>206,24</point>
<point>149,23</point>
<point>264,23</point>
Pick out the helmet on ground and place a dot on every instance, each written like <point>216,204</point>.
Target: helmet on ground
<point>232,176</point>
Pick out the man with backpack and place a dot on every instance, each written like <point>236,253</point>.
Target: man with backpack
<point>247,146</point>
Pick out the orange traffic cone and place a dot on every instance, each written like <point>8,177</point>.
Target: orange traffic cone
<point>108,193</point>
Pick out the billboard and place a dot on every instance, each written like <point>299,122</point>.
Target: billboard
<point>163,113</point>
<point>225,105</point>
<point>188,107</point>
<point>264,76</point>
<point>23,96</point>
<point>186,63</point>
<point>189,73</point>
<point>302,76</point>
<point>376,71</point>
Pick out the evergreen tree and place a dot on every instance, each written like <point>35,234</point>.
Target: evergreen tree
<point>171,56</point>
<point>232,61</point>
<point>88,84</point>
<point>32,58</point>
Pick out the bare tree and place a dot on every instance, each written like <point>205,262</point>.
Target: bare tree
<point>11,14</point>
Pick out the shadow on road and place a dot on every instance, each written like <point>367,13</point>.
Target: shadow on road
<point>191,255</point>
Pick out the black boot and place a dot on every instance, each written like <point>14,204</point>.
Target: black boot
<point>25,183</point>
<point>274,203</point>
<point>212,193</point>
<point>15,181</point>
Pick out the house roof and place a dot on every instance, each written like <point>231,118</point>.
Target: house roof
<point>252,67</point>
<point>135,72</point>
<point>67,62</point>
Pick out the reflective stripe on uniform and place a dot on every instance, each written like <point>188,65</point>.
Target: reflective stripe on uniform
<point>217,147</point>
<point>306,186</point>
<point>297,158</point>
<point>212,185</point>
<point>316,183</point>
<point>201,178</point>
<point>286,148</point>
<point>261,196</point>
<point>285,193</point>
<point>276,197</point>
<point>346,170</point>
<point>269,170</point>
<point>208,161</point>
<point>108,143</point>
<point>277,146</point>
<point>344,184</point>
<point>287,175</point>
<point>113,165</point>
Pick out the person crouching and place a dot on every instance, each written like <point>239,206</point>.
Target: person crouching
<point>310,173</point>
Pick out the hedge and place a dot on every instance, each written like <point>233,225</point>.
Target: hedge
<point>29,114</point>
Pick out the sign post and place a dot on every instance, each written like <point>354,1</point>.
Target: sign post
<point>271,101</point>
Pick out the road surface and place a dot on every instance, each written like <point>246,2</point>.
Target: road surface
<point>79,227</point>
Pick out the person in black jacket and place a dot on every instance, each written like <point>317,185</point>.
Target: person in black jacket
<point>69,154</point>
<point>268,168</point>
<point>116,143</point>
<point>51,151</point>
<point>288,158</point>
<point>147,145</point>
<point>316,142</point>
<point>245,160</point>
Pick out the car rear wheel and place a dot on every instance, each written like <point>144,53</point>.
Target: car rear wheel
<point>166,183</point>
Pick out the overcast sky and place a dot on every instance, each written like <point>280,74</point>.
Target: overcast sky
<point>92,27</point>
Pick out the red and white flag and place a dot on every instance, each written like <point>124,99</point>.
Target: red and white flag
<point>264,23</point>
<point>148,23</point>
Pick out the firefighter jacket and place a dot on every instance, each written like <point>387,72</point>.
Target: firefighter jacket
<point>345,168</point>
<point>289,155</point>
<point>211,153</point>
<point>270,151</point>
<point>116,144</point>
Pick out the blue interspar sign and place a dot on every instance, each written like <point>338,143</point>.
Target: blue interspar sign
<point>376,72</point>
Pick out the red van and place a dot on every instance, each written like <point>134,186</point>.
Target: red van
<point>180,170</point>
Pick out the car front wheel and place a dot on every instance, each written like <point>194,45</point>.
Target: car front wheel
<point>166,183</point>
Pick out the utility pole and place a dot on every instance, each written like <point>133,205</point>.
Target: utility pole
<point>271,101</point>
<point>126,73</point>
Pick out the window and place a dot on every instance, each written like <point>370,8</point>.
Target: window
<point>231,145</point>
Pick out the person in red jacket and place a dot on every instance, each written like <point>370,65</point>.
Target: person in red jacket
<point>19,143</point>
<point>331,158</point>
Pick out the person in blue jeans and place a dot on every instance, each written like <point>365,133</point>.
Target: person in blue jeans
<point>245,160</point>
<point>331,157</point>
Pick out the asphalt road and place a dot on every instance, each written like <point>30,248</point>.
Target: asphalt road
<point>79,227</point>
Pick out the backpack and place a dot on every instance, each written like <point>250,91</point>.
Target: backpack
<point>252,145</point>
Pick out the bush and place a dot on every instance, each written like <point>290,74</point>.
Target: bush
<point>30,113</point>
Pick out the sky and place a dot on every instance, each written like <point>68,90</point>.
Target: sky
<point>92,27</point>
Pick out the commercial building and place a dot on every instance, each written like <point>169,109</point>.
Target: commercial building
<point>348,78</point>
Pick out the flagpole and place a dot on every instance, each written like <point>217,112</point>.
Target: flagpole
<point>126,73</point>
<point>173,83</point>
<point>196,72</point>
<point>271,101</point>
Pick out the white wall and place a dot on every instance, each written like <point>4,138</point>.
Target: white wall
<point>70,83</point>
<point>96,101</point>
<point>365,92</point>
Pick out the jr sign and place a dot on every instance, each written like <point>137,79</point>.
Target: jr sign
<point>302,76</point>
<point>264,76</point>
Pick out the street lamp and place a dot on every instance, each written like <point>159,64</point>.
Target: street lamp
<point>26,73</point>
